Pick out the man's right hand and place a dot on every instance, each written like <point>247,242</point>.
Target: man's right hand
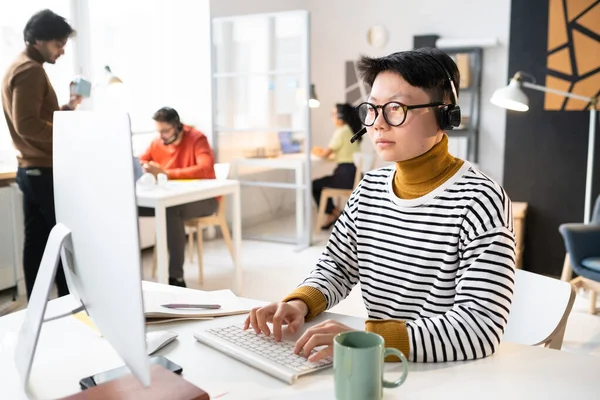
<point>291,314</point>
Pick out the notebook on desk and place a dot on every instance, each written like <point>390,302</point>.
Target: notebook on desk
<point>154,302</point>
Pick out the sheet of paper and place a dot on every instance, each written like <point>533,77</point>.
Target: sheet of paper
<point>229,302</point>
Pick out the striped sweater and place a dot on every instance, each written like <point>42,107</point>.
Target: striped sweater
<point>436,272</point>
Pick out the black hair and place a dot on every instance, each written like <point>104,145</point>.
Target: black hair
<point>46,25</point>
<point>418,69</point>
<point>168,115</point>
<point>349,115</point>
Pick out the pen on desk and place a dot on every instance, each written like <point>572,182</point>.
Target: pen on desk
<point>207,306</point>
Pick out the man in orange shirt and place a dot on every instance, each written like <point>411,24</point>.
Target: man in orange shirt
<point>181,152</point>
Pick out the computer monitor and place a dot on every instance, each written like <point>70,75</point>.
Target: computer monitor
<point>97,234</point>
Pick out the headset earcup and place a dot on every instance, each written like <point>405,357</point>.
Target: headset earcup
<point>453,116</point>
<point>448,117</point>
<point>442,117</point>
<point>440,114</point>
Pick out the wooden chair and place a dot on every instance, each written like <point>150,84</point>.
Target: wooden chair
<point>197,224</point>
<point>540,310</point>
<point>519,214</point>
<point>364,163</point>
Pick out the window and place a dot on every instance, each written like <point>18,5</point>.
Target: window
<point>12,22</point>
<point>260,80</point>
<point>161,52</point>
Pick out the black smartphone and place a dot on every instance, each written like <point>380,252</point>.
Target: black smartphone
<point>106,376</point>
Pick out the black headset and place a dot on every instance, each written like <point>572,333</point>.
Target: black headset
<point>177,123</point>
<point>448,116</point>
<point>176,118</point>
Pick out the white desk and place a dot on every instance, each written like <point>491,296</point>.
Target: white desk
<point>297,163</point>
<point>182,192</point>
<point>69,351</point>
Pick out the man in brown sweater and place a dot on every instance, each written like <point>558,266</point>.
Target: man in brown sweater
<point>29,102</point>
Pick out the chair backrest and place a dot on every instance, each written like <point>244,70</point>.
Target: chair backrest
<point>364,163</point>
<point>539,311</point>
<point>222,170</point>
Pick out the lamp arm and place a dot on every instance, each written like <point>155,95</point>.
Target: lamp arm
<point>591,141</point>
<point>587,209</point>
<point>560,92</point>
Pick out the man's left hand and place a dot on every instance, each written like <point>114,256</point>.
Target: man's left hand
<point>154,168</point>
<point>74,101</point>
<point>320,335</point>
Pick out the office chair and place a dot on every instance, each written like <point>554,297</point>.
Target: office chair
<point>582,242</point>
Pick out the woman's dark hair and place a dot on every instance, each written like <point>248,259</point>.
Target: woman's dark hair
<point>46,25</point>
<point>418,69</point>
<point>168,115</point>
<point>348,114</point>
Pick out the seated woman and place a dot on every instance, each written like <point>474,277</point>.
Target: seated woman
<point>347,122</point>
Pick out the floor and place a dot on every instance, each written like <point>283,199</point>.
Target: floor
<point>271,278</point>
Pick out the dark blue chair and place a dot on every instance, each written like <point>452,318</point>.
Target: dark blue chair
<point>583,247</point>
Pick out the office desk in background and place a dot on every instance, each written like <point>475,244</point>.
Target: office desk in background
<point>68,350</point>
<point>177,193</point>
<point>7,175</point>
<point>297,163</point>
<point>11,230</point>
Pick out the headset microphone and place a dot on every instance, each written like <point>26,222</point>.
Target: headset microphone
<point>358,134</point>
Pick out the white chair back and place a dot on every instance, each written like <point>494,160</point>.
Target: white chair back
<point>539,311</point>
<point>222,170</point>
<point>364,163</point>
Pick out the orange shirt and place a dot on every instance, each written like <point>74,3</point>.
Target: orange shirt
<point>191,159</point>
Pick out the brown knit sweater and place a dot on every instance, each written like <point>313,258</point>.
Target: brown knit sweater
<point>29,103</point>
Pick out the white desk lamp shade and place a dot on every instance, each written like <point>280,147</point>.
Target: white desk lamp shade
<point>511,97</point>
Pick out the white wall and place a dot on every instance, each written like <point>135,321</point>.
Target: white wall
<point>227,8</point>
<point>338,34</point>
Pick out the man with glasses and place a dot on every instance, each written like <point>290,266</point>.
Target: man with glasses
<point>181,152</point>
<point>430,239</point>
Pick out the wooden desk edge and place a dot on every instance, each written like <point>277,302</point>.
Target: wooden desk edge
<point>7,177</point>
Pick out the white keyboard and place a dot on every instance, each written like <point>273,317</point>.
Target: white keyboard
<point>260,351</point>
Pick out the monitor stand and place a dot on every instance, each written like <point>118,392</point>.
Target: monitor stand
<point>36,309</point>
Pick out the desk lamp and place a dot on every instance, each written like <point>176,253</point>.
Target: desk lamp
<point>513,98</point>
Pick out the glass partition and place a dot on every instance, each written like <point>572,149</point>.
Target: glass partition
<point>260,100</point>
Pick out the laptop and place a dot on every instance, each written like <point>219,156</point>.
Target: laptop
<point>288,144</point>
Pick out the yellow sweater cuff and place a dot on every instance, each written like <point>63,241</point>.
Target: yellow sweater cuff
<point>314,299</point>
<point>394,333</point>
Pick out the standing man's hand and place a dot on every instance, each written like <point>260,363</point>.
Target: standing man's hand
<point>74,101</point>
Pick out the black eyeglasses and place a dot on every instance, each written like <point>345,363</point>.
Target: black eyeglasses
<point>394,113</point>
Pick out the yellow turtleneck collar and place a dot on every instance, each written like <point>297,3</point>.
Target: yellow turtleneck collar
<point>420,175</point>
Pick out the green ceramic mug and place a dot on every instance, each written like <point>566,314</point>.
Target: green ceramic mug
<point>358,358</point>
